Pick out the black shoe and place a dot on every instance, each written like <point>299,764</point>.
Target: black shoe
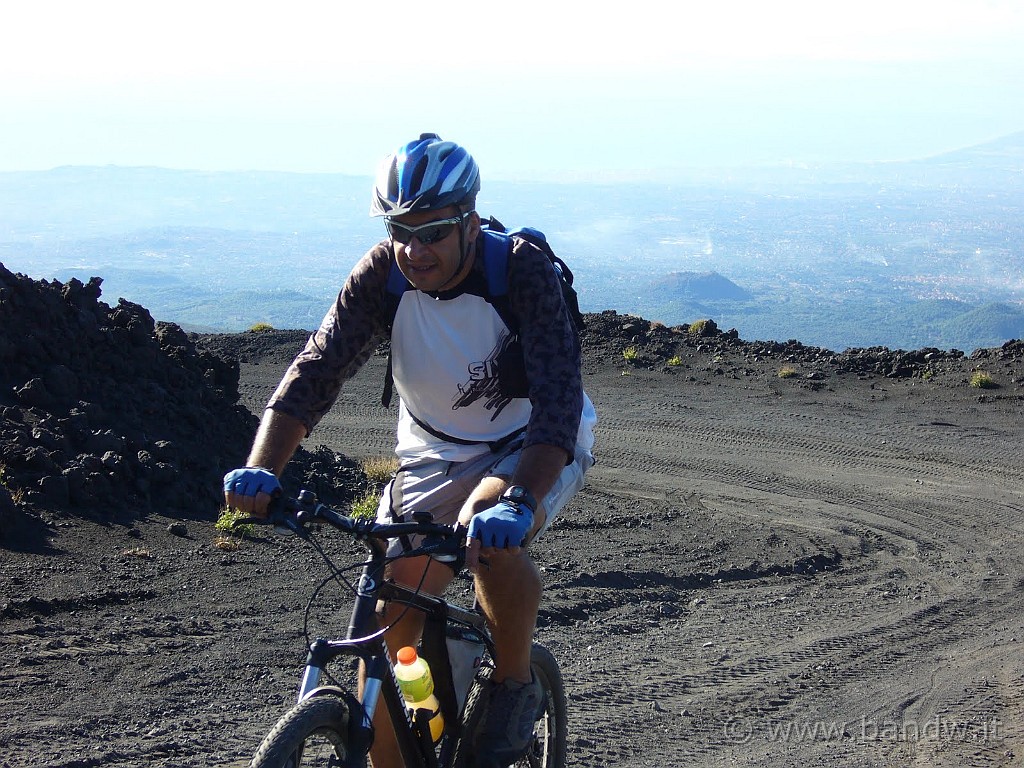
<point>512,710</point>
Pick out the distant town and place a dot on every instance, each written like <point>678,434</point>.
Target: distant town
<point>905,255</point>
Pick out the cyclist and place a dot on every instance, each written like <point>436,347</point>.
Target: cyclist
<point>502,465</point>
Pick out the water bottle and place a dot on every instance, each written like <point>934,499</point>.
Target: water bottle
<point>418,687</point>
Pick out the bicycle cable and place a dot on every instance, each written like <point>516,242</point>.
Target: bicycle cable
<point>338,574</point>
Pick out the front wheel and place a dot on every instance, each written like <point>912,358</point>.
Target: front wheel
<point>547,749</point>
<point>312,733</point>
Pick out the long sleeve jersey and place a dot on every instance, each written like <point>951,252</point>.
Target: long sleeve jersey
<point>445,349</point>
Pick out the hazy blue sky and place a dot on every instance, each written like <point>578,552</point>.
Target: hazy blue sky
<point>529,87</point>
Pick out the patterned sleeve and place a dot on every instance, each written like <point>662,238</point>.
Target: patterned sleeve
<point>551,349</point>
<point>348,335</point>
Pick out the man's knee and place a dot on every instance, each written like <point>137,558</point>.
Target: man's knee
<point>510,571</point>
<point>403,625</point>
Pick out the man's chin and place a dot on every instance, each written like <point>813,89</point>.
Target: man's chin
<point>424,283</point>
<point>431,280</point>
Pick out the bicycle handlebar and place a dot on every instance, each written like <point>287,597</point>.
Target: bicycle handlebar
<point>444,542</point>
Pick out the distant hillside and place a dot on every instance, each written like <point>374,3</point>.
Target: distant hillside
<point>1005,153</point>
<point>990,324</point>
<point>925,253</point>
<point>994,164</point>
<point>697,286</point>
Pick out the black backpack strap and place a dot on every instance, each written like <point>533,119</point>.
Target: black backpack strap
<point>493,225</point>
<point>389,384</point>
<point>494,445</point>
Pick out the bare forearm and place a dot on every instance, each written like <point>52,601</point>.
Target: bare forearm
<point>276,441</point>
<point>539,468</point>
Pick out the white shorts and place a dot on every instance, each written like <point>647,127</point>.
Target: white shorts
<point>442,487</point>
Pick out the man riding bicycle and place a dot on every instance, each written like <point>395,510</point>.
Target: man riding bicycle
<point>501,464</point>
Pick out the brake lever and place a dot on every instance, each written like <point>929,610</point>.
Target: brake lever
<point>280,514</point>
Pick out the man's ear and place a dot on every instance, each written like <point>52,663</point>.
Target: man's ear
<point>472,227</point>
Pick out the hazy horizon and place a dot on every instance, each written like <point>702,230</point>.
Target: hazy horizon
<point>923,254</point>
<point>325,89</point>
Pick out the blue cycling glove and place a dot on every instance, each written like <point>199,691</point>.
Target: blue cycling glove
<point>503,525</point>
<point>249,481</point>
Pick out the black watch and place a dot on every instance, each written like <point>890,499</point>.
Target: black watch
<point>517,494</point>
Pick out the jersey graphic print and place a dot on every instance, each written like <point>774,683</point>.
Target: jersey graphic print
<point>484,382</point>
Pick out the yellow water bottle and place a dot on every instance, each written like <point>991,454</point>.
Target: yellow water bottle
<point>418,687</point>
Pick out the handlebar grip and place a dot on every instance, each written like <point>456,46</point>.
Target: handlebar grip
<point>280,514</point>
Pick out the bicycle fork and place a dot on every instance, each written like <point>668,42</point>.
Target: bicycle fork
<point>364,641</point>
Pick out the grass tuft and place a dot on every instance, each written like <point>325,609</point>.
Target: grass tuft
<point>983,380</point>
<point>227,543</point>
<point>227,523</point>
<point>365,508</point>
<point>379,469</point>
<point>16,493</point>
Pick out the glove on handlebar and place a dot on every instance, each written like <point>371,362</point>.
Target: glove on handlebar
<point>249,481</point>
<point>503,525</point>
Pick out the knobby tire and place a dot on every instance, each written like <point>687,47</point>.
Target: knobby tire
<point>550,731</point>
<point>312,733</point>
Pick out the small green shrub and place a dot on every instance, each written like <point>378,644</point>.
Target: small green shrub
<point>228,523</point>
<point>675,360</point>
<point>261,328</point>
<point>366,507</point>
<point>16,493</point>
<point>983,380</point>
<point>379,469</point>
<point>787,372</point>
<point>631,354</point>
<point>697,327</point>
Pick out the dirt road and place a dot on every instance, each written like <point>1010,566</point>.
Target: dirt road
<point>824,569</point>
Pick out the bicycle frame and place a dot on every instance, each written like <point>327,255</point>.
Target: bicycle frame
<point>365,640</point>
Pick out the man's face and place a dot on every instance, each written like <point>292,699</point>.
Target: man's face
<point>434,266</point>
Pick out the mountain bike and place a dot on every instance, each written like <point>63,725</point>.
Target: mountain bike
<point>332,726</point>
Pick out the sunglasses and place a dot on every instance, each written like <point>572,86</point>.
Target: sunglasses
<point>428,234</point>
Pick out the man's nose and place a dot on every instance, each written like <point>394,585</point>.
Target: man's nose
<point>414,249</point>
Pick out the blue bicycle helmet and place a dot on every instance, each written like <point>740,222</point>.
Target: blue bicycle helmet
<point>424,175</point>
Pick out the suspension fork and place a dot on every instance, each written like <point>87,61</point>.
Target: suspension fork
<point>379,679</point>
<point>362,623</point>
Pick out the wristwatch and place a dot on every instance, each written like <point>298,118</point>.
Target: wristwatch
<point>517,494</point>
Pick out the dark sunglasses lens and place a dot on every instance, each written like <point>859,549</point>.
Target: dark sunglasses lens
<point>434,234</point>
<point>398,233</point>
<point>428,235</point>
